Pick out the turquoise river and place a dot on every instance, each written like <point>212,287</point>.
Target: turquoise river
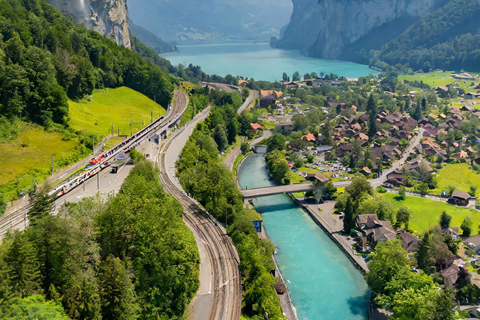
<point>259,61</point>
<point>322,281</point>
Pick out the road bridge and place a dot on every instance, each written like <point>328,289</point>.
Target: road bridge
<point>291,188</point>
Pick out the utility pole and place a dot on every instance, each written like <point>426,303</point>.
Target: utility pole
<point>52,163</point>
<point>131,132</point>
<point>98,181</point>
<point>93,144</point>
<point>151,117</point>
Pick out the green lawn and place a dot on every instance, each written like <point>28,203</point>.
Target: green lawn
<point>112,142</point>
<point>113,106</point>
<point>426,213</point>
<point>30,154</point>
<point>433,79</point>
<point>458,175</point>
<point>308,170</point>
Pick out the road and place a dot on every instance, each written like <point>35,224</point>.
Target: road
<point>247,102</point>
<point>220,293</point>
<point>230,158</point>
<point>104,182</point>
<point>396,165</point>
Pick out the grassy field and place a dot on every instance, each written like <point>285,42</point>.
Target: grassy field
<point>113,106</point>
<point>31,155</point>
<point>112,142</point>
<point>458,175</point>
<point>436,79</point>
<point>426,212</point>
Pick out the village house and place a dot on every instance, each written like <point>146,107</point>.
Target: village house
<point>460,198</point>
<point>256,127</point>
<point>242,83</point>
<point>450,275</point>
<point>376,231</point>
<point>395,178</point>
<point>277,94</point>
<point>309,138</point>
<point>453,231</point>
<point>409,242</point>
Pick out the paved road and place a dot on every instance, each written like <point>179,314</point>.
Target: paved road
<point>290,188</point>
<point>220,293</point>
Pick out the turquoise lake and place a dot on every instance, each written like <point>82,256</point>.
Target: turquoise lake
<point>259,61</point>
<point>322,281</point>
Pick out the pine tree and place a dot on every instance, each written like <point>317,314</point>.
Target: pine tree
<point>424,104</point>
<point>424,256</point>
<point>23,267</point>
<point>42,204</point>
<point>372,116</point>
<point>418,112</point>
<point>117,291</point>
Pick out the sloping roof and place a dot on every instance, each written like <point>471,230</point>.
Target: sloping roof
<point>450,229</point>
<point>363,218</point>
<point>255,126</point>
<point>309,137</point>
<point>461,194</point>
<point>451,271</point>
<point>321,178</point>
<point>409,242</point>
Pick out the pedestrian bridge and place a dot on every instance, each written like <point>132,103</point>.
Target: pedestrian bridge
<point>249,194</point>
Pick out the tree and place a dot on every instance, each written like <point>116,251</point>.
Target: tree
<point>276,142</point>
<point>310,158</point>
<point>466,227</point>
<point>356,192</point>
<point>285,77</point>
<point>403,216</point>
<point>117,291</point>
<point>450,189</point>
<point>244,147</point>
<point>307,76</point>
<point>388,260</point>
<point>220,137</point>
<point>296,76</point>
<point>330,189</point>
<point>42,204</point>
<point>402,192</point>
<point>232,130</point>
<point>424,255</point>
<point>423,188</point>
<point>424,104</point>
<point>35,307</point>
<point>473,191</point>
<point>372,116</point>
<point>418,112</point>
<point>445,220</point>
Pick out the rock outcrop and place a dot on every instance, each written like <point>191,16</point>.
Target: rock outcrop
<point>327,28</point>
<point>108,17</point>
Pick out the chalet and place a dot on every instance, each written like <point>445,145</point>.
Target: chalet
<point>460,197</point>
<point>363,119</point>
<point>309,138</point>
<point>474,242</point>
<point>450,275</point>
<point>363,138</point>
<point>342,148</point>
<point>356,127</point>
<point>365,171</point>
<point>255,127</point>
<point>452,231</point>
<point>395,178</point>
<point>292,85</point>
<point>376,230</point>
<point>277,94</point>
<point>409,242</point>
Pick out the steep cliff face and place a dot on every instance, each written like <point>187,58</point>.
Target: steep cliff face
<point>108,17</point>
<point>326,28</point>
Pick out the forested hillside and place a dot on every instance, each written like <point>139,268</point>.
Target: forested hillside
<point>448,38</point>
<point>130,257</point>
<point>44,57</point>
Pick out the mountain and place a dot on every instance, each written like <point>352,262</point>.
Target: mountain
<point>149,39</point>
<point>107,17</point>
<point>326,28</point>
<point>187,21</point>
<point>419,34</point>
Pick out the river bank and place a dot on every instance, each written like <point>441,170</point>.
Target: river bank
<point>321,279</point>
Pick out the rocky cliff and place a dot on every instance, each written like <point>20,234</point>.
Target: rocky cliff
<point>332,28</point>
<point>108,17</point>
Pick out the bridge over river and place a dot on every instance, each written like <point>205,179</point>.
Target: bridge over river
<point>291,188</point>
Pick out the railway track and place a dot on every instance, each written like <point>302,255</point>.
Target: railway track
<point>18,219</point>
<point>223,257</point>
